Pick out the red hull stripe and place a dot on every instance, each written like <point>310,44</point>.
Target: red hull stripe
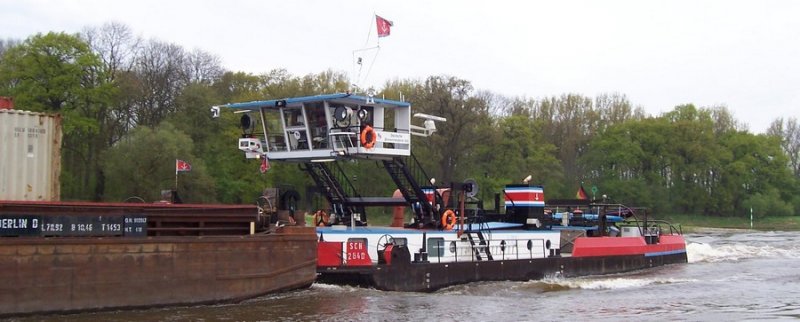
<point>610,246</point>
<point>525,197</point>
<point>429,194</point>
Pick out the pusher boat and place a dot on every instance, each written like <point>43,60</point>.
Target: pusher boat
<point>451,239</point>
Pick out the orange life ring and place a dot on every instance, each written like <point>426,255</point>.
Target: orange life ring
<point>321,218</point>
<point>368,137</point>
<point>448,219</point>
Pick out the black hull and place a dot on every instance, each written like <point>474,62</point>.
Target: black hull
<point>429,277</point>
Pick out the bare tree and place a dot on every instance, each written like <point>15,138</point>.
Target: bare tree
<point>202,67</point>
<point>615,108</point>
<point>789,132</point>
<point>159,74</point>
<point>724,121</point>
<point>499,105</point>
<point>115,44</point>
<point>569,123</point>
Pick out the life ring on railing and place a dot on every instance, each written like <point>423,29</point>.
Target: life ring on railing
<point>321,218</point>
<point>448,219</point>
<point>368,137</point>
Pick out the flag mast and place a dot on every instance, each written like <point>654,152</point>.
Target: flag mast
<point>181,166</point>
<point>383,27</point>
<point>176,175</point>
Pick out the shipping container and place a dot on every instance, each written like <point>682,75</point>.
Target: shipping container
<point>30,155</point>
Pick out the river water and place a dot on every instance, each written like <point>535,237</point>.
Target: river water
<point>731,275</point>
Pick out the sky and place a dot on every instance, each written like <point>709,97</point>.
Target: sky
<point>741,54</point>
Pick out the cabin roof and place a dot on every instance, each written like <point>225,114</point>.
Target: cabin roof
<point>343,98</point>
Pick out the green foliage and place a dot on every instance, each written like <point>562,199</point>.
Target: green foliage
<point>214,141</point>
<point>752,164</point>
<point>685,162</point>
<point>796,204</point>
<point>48,73</point>
<point>43,72</point>
<point>144,164</point>
<point>768,203</point>
<point>514,150</point>
<point>238,87</point>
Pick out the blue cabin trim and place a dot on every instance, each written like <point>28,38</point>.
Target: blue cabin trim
<point>344,97</point>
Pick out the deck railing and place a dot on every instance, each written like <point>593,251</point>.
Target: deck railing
<point>500,249</point>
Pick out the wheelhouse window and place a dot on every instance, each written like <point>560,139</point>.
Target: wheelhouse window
<point>294,117</point>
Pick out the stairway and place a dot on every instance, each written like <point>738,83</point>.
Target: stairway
<point>407,182</point>
<point>480,246</point>
<point>333,183</point>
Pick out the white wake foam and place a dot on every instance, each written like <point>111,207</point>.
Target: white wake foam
<point>335,288</point>
<point>612,283</point>
<point>701,252</point>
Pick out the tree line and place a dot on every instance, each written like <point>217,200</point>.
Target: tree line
<point>132,106</point>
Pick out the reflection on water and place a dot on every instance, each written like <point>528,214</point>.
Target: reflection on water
<point>731,276</point>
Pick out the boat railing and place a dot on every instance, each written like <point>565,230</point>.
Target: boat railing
<point>502,250</point>
<point>342,142</point>
<point>654,225</point>
<point>673,229</point>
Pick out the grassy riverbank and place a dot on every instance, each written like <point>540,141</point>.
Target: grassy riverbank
<point>693,222</point>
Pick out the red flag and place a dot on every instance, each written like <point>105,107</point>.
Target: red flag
<point>581,194</point>
<point>384,26</point>
<point>182,166</point>
<point>264,164</point>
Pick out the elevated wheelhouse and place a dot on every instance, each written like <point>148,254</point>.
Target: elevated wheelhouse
<point>325,127</point>
<point>317,130</point>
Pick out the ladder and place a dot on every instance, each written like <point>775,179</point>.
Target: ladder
<point>333,183</point>
<point>406,180</point>
<point>480,245</point>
